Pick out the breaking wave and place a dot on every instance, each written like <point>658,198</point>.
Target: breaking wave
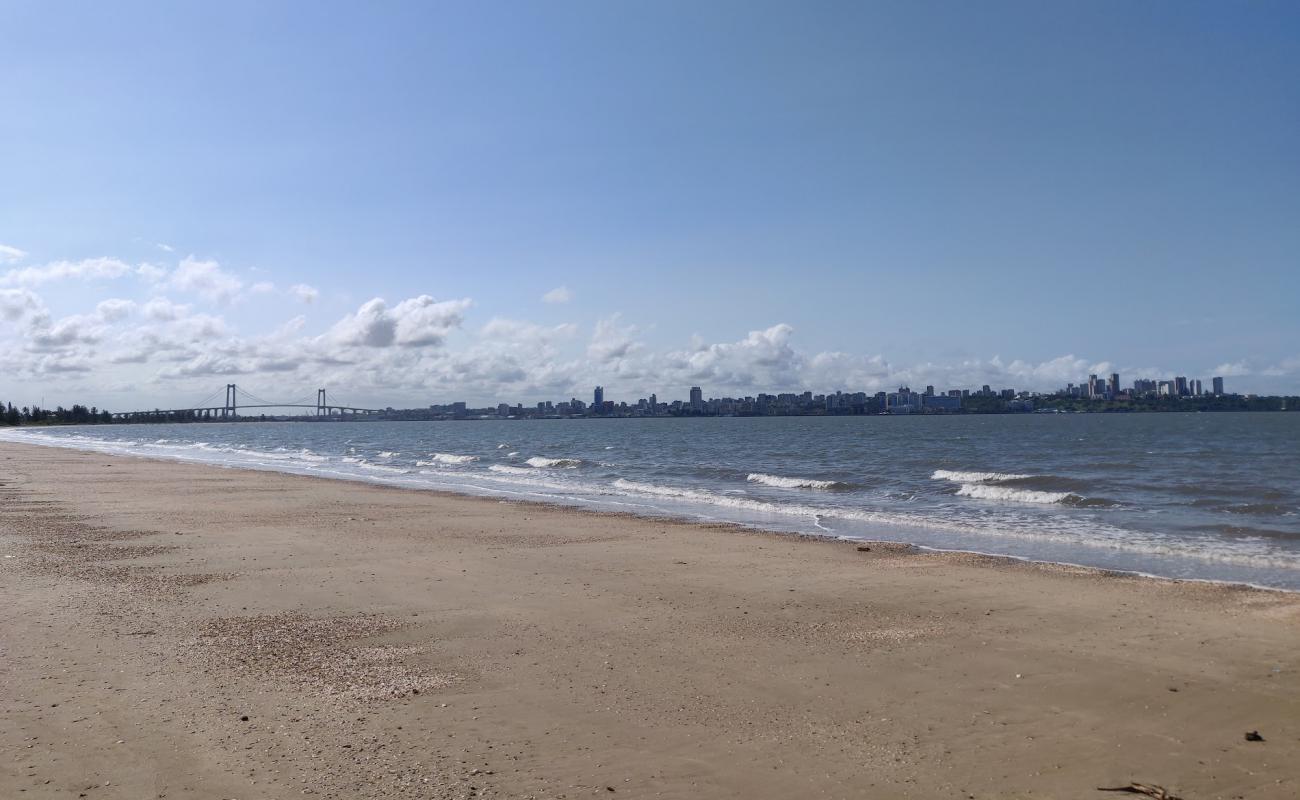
<point>983,491</point>
<point>446,458</point>
<point>976,477</point>
<point>543,463</point>
<point>782,482</point>
<point>508,470</point>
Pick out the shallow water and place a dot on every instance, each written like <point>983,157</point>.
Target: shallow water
<point>1205,496</point>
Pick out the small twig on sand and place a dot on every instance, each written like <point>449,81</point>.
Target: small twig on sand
<point>1148,789</point>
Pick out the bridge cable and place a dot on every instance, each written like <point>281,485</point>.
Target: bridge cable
<point>204,402</point>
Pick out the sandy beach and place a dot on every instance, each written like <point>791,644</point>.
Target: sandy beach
<point>174,630</point>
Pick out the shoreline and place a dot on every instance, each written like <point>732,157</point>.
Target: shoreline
<point>171,628</point>
<point>670,516</point>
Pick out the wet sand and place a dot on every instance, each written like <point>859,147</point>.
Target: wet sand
<point>173,630</point>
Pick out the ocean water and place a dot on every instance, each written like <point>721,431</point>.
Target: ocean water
<point>1198,496</point>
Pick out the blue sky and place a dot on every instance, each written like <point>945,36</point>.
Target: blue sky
<point>745,196</point>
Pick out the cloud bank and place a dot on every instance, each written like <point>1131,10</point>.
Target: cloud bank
<point>161,334</point>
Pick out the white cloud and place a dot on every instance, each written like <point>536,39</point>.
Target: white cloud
<point>206,279</point>
<point>262,287</point>
<point>11,255</point>
<point>764,358</point>
<point>151,272</point>
<point>421,321</point>
<point>90,269</point>
<point>114,309</point>
<point>304,293</point>
<point>1287,366</point>
<point>560,294</point>
<point>18,303</point>
<point>612,340</point>
<point>162,309</point>
<point>417,322</point>
<point>1235,369</point>
<point>520,333</point>
<point>64,334</point>
<point>166,248</point>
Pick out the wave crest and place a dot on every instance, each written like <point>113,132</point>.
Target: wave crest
<point>508,470</point>
<point>543,463</point>
<point>446,458</point>
<point>982,491</point>
<point>783,482</point>
<point>976,477</point>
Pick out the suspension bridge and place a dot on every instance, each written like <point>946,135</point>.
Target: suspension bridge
<point>237,400</point>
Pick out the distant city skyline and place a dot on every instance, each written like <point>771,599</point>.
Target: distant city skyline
<point>486,202</point>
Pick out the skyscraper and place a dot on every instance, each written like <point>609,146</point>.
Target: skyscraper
<point>598,397</point>
<point>697,398</point>
<point>1113,386</point>
<point>1218,386</point>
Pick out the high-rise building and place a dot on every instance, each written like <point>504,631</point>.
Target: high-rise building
<point>1196,387</point>
<point>697,398</point>
<point>1218,385</point>
<point>654,403</point>
<point>598,397</point>
<point>1180,386</point>
<point>1096,387</point>
<point>1113,385</point>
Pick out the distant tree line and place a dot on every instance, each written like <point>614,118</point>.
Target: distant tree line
<point>35,415</point>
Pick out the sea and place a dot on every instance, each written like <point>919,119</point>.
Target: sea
<point>1191,496</point>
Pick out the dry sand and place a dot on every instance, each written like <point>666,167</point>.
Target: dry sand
<point>183,631</point>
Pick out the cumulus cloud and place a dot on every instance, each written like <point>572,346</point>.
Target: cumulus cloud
<point>114,309</point>
<point>18,303</point>
<point>416,322</point>
<point>11,255</point>
<point>151,272</point>
<point>162,309</point>
<point>612,340</point>
<point>206,279</point>
<point>67,332</point>
<point>560,294</point>
<point>86,269</point>
<point>304,293</point>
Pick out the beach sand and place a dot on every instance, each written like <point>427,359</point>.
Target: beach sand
<point>184,631</point>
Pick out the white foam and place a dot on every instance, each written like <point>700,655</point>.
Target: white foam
<point>782,482</point>
<point>508,470</point>
<point>382,468</point>
<point>446,458</point>
<point>982,491</point>
<point>975,477</point>
<point>543,463</point>
<point>387,454</point>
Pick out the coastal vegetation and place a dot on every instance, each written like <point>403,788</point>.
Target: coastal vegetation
<point>35,415</point>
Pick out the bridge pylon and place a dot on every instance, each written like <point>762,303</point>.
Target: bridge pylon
<point>322,410</point>
<point>231,408</point>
